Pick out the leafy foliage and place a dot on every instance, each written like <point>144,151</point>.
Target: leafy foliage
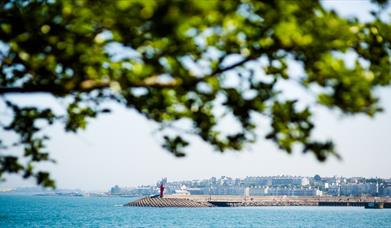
<point>179,60</point>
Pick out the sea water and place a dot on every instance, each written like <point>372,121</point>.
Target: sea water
<point>60,211</point>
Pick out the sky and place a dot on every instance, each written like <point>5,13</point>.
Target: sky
<point>122,149</point>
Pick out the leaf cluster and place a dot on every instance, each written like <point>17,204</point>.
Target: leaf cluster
<point>185,60</point>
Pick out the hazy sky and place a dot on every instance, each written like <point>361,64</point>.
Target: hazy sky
<point>121,148</point>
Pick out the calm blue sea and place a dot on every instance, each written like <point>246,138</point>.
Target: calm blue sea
<point>53,211</point>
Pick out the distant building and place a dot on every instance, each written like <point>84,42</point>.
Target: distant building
<point>116,190</point>
<point>286,181</point>
<point>276,191</point>
<point>305,181</point>
<point>333,190</point>
<point>227,190</point>
<point>256,181</point>
<point>387,191</point>
<point>267,186</point>
<point>358,189</point>
<point>353,189</point>
<point>196,191</point>
<point>259,191</point>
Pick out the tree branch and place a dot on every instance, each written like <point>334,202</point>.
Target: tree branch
<point>89,85</point>
<point>35,89</point>
<point>221,70</point>
<point>84,86</point>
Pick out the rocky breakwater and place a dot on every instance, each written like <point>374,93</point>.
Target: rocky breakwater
<point>166,202</point>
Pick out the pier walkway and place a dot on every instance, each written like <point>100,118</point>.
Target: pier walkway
<point>257,201</point>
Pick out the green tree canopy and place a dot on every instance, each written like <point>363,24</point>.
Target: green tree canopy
<point>175,61</point>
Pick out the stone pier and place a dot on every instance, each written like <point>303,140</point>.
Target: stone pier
<point>167,202</point>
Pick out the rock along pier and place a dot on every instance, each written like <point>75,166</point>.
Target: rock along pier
<point>167,202</point>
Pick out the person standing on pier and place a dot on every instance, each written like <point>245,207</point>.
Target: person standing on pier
<point>161,190</point>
